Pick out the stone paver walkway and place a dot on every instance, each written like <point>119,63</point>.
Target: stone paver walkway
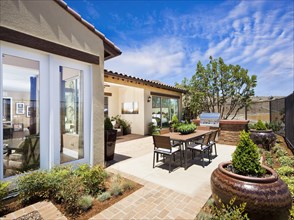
<point>154,202</point>
<point>46,209</point>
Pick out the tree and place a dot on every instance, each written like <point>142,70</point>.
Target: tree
<point>218,88</point>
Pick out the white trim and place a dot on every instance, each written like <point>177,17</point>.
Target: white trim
<point>85,68</point>
<point>49,103</point>
<point>91,117</point>
<point>41,57</point>
<point>1,113</point>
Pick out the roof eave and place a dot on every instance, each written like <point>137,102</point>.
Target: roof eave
<point>110,50</point>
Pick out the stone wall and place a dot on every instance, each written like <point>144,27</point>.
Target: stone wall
<point>229,130</point>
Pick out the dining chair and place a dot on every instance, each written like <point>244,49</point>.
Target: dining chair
<point>201,147</point>
<point>212,141</point>
<point>201,128</point>
<point>163,146</point>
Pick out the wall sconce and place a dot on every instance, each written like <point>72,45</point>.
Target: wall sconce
<point>149,99</point>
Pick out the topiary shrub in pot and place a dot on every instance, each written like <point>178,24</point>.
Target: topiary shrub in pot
<point>265,194</point>
<point>109,139</point>
<point>262,136</point>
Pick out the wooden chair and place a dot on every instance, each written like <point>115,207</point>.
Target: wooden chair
<point>212,141</point>
<point>163,146</point>
<point>202,147</point>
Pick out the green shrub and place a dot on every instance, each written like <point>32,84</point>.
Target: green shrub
<point>115,189</point>
<point>229,211</point>
<point>70,192</point>
<point>92,178</point>
<point>259,125</point>
<point>104,196</point>
<point>268,158</point>
<point>186,128</point>
<point>276,148</point>
<point>285,171</point>
<point>152,129</point>
<point>34,186</point>
<point>116,185</point>
<point>124,123</point>
<point>275,126</point>
<point>56,177</point>
<point>286,161</point>
<point>4,190</point>
<point>246,157</point>
<point>292,212</point>
<point>281,152</point>
<point>175,119</point>
<point>127,185</point>
<point>290,182</point>
<point>85,202</point>
<point>107,124</point>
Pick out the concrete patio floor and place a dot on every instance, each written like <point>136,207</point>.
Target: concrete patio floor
<point>176,195</point>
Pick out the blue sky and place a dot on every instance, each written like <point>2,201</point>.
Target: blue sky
<point>164,40</point>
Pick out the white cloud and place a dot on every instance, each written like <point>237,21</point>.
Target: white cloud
<point>253,34</point>
<point>152,60</point>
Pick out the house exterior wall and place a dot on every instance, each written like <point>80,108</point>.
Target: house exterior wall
<point>47,20</point>
<point>129,91</point>
<point>128,95</point>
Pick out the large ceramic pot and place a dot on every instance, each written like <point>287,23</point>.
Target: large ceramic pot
<point>109,144</point>
<point>264,138</point>
<point>266,198</point>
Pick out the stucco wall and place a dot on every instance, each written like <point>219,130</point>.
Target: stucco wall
<point>113,101</point>
<point>49,21</point>
<point>97,156</point>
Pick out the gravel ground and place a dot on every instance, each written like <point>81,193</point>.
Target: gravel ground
<point>35,215</point>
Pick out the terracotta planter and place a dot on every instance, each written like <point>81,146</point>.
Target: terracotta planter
<point>266,198</point>
<point>264,138</point>
<point>109,144</point>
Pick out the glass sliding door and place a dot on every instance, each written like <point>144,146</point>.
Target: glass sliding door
<point>20,115</point>
<point>71,115</point>
<point>163,109</point>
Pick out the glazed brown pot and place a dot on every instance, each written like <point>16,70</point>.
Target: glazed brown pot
<point>264,138</point>
<point>266,198</point>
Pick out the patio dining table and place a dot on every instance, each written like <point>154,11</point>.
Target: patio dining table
<point>185,139</point>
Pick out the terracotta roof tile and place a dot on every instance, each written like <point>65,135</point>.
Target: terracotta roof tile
<point>146,81</point>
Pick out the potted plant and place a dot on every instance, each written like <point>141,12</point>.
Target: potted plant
<point>109,139</point>
<point>174,123</point>
<point>262,136</point>
<point>186,128</point>
<point>265,194</point>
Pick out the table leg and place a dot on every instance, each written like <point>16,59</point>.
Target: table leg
<point>185,149</point>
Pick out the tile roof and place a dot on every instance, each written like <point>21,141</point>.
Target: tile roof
<point>153,83</point>
<point>109,47</point>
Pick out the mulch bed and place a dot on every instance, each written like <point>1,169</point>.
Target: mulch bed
<point>14,204</point>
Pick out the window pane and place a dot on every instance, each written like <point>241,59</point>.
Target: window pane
<point>156,111</point>
<point>71,115</point>
<point>163,109</point>
<point>21,121</point>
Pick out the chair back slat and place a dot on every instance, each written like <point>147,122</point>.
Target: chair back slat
<point>206,139</point>
<point>161,142</point>
<point>213,136</point>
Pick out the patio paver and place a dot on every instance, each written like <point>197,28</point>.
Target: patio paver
<point>46,209</point>
<point>177,195</point>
